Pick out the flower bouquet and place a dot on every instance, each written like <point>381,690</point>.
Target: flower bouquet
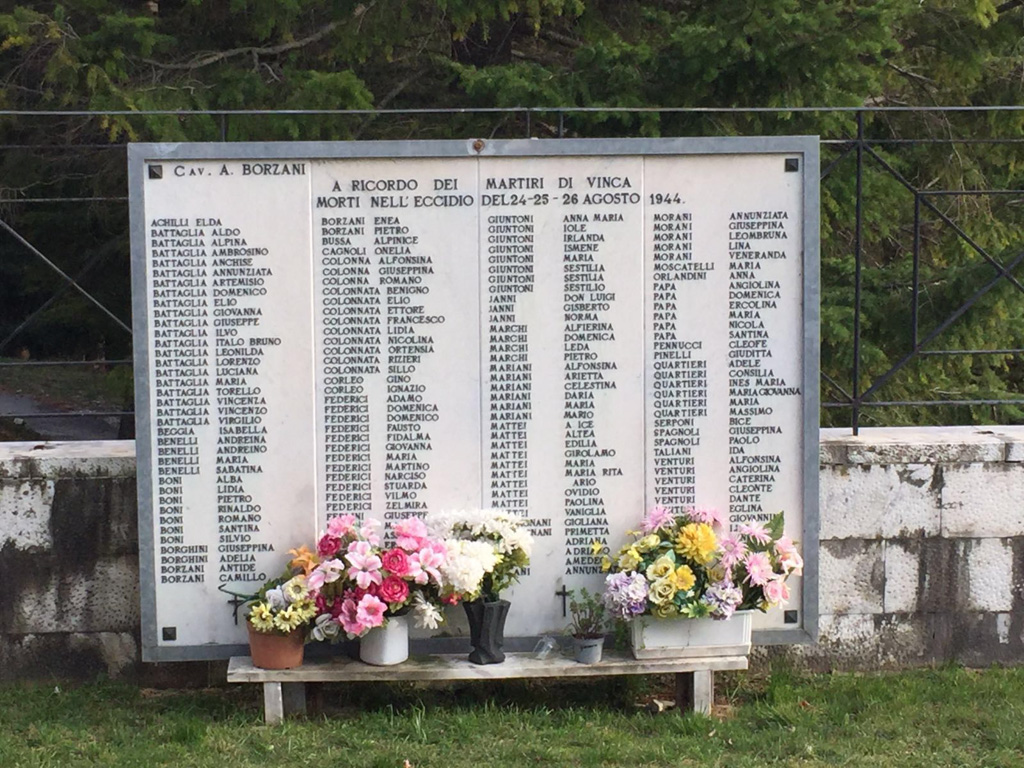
<point>487,550</point>
<point>682,566</point>
<point>365,589</point>
<point>277,618</point>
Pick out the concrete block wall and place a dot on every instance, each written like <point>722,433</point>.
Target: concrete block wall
<point>922,548</point>
<point>921,557</point>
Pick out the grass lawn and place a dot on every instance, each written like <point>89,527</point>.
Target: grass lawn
<point>943,717</point>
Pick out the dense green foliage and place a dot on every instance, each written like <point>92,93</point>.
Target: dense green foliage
<point>105,55</point>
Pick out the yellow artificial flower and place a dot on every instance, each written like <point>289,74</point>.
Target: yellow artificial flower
<point>647,543</point>
<point>597,547</point>
<point>684,578</point>
<point>660,568</point>
<point>261,617</point>
<point>295,588</point>
<point>305,608</point>
<point>629,560</point>
<point>697,542</point>
<point>606,564</point>
<point>665,611</point>
<point>662,591</point>
<point>304,559</point>
<point>288,619</point>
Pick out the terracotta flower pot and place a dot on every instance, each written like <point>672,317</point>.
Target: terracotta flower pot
<point>272,650</point>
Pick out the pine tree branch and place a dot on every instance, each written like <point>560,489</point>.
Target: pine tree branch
<point>205,60</point>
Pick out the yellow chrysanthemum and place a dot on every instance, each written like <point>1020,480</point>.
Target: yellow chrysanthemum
<point>305,608</point>
<point>606,564</point>
<point>647,543</point>
<point>597,547</point>
<point>261,617</point>
<point>629,560</point>
<point>684,578</point>
<point>660,568</point>
<point>304,559</point>
<point>697,542</point>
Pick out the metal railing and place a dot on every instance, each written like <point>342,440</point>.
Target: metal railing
<point>862,147</point>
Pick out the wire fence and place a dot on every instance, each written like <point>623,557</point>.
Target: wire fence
<point>922,213</point>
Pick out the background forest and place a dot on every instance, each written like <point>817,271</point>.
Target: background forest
<point>599,55</point>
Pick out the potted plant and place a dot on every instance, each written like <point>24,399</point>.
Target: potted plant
<point>365,589</point>
<point>587,627</point>
<point>487,550</point>
<point>680,576</point>
<point>278,618</point>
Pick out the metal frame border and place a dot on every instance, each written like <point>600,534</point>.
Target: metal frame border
<point>807,147</point>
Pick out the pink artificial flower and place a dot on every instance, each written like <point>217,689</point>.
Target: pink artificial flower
<point>658,517</point>
<point>756,531</point>
<point>327,572</point>
<point>365,566</point>
<point>789,558</point>
<point>336,607</point>
<point>319,600</point>
<point>733,551</point>
<point>395,561</point>
<point>776,591</point>
<point>328,545</point>
<point>370,611</point>
<point>411,534</point>
<point>425,565</point>
<point>709,515</point>
<point>349,618</point>
<point>316,579</point>
<point>394,590</point>
<point>370,532</point>
<point>759,568</point>
<point>452,599</point>
<point>341,526</point>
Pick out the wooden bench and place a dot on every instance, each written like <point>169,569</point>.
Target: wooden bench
<point>284,691</point>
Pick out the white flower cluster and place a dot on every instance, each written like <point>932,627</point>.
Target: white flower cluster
<point>504,529</point>
<point>467,564</point>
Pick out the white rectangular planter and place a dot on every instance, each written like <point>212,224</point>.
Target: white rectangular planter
<point>689,638</point>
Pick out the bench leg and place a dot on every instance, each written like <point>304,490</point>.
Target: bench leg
<point>281,699</point>
<point>695,691</point>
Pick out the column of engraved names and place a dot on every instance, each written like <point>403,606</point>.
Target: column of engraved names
<point>754,298</point>
<point>352,335</point>
<point>181,387</point>
<point>239,283</point>
<point>510,273</point>
<point>588,334</point>
<point>680,366</point>
<point>405,272</point>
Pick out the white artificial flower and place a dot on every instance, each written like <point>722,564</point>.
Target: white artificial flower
<point>426,614</point>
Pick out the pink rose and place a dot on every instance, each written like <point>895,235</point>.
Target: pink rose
<point>776,591</point>
<point>328,545</point>
<point>410,533</point>
<point>394,590</point>
<point>395,561</point>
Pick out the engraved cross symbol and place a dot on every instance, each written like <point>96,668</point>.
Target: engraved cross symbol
<point>562,593</point>
<point>237,602</point>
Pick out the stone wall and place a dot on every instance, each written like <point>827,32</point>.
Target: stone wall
<point>921,558</point>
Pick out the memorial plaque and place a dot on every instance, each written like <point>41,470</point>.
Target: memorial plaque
<point>570,330</point>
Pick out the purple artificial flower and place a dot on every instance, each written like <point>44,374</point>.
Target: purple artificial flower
<point>723,597</point>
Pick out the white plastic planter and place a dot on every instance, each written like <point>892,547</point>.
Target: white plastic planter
<point>387,645</point>
<point>691,638</point>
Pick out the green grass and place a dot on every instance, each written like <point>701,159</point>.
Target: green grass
<point>942,717</point>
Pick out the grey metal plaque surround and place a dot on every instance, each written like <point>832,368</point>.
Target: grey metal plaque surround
<point>572,153</point>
